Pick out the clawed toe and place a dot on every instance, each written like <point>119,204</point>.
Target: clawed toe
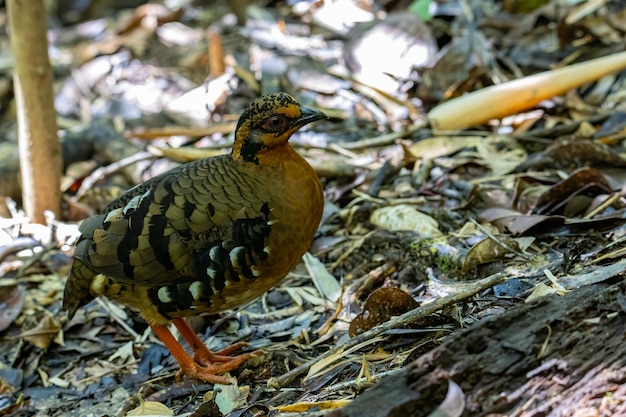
<point>212,371</point>
<point>206,357</point>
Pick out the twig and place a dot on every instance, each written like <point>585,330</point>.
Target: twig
<point>400,321</point>
<point>614,198</point>
<point>355,245</point>
<point>102,172</point>
<point>381,140</point>
<point>361,284</point>
<point>157,133</point>
<point>115,368</point>
<point>361,382</point>
<point>498,241</point>
<point>105,304</point>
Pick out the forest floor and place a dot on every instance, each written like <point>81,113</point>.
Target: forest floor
<point>474,270</point>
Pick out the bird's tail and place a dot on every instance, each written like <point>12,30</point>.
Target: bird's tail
<point>77,287</point>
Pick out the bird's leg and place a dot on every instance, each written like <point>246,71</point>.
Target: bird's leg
<point>203,355</point>
<point>210,372</point>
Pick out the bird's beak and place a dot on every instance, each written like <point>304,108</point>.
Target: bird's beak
<point>308,115</point>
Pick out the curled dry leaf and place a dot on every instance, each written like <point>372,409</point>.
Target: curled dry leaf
<point>499,153</point>
<point>535,224</point>
<point>406,217</point>
<point>582,182</point>
<point>44,333</point>
<point>488,250</point>
<point>574,153</point>
<point>324,281</point>
<point>380,306</point>
<point>439,146</point>
<point>151,408</point>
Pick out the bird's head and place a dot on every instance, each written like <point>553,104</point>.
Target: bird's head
<point>268,123</point>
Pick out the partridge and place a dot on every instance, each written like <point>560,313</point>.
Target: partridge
<point>206,236</point>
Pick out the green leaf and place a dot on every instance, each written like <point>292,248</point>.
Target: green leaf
<point>421,8</point>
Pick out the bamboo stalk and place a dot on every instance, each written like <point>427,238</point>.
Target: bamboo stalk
<point>511,97</point>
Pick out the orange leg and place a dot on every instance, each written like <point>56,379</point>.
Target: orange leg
<point>201,353</point>
<point>211,371</point>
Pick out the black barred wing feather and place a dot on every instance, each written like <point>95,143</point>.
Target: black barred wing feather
<point>216,264</point>
<point>189,224</point>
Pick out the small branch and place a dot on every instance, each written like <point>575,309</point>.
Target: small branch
<point>102,172</point>
<point>400,321</point>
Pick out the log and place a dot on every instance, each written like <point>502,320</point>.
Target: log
<point>556,356</point>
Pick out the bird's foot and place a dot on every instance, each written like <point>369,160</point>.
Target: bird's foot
<point>205,365</point>
<point>205,357</point>
<point>212,371</point>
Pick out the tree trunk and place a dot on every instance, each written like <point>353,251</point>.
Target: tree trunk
<point>39,149</point>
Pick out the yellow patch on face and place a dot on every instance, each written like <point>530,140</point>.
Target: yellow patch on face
<point>291,111</point>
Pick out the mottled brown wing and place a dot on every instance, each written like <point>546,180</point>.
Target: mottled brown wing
<point>182,226</point>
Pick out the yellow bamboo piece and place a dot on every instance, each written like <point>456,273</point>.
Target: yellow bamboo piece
<point>512,97</point>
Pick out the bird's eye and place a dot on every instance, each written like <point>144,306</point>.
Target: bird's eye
<point>275,123</point>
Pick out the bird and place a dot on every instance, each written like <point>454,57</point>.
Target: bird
<point>206,236</point>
